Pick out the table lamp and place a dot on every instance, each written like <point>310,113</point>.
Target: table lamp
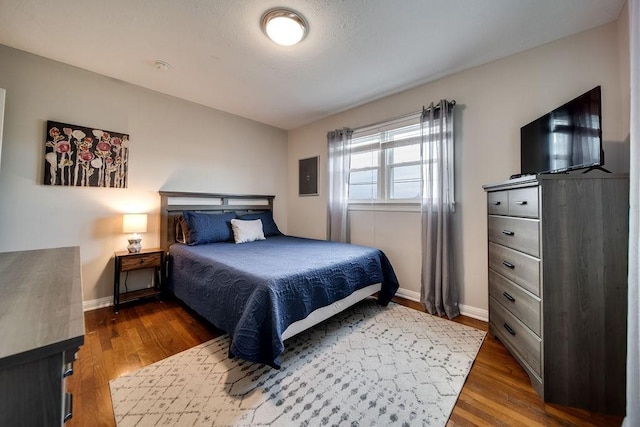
<point>134,223</point>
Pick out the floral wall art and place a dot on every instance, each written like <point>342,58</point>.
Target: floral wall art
<point>79,156</point>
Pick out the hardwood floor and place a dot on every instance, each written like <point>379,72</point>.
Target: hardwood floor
<point>497,390</point>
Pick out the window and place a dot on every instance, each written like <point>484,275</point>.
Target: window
<point>385,163</point>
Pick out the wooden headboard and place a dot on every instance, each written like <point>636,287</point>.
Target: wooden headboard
<point>173,203</point>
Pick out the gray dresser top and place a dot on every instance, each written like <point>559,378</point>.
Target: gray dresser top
<point>531,180</point>
<point>40,303</point>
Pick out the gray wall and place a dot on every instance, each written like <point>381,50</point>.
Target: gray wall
<point>494,101</point>
<point>175,145</point>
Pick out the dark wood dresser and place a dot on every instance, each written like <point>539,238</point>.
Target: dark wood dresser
<point>558,283</point>
<point>41,329</point>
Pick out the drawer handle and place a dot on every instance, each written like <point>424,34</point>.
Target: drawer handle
<point>68,407</point>
<point>508,265</point>
<point>497,203</point>
<point>68,369</point>
<point>508,328</point>
<point>508,233</point>
<point>523,202</point>
<point>509,297</point>
<point>142,260</point>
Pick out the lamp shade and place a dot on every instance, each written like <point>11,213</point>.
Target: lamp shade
<point>134,223</point>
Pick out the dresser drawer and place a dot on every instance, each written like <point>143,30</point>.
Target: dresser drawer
<point>141,261</point>
<point>498,203</point>
<point>521,339</point>
<point>524,202</point>
<point>516,266</point>
<point>521,303</point>
<point>517,233</point>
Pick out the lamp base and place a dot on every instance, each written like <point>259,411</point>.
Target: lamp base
<point>134,245</point>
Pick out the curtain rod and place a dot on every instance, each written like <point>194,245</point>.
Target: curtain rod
<point>404,116</point>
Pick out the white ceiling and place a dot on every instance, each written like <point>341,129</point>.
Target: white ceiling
<point>355,51</point>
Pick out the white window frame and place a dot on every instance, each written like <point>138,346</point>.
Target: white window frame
<point>380,145</point>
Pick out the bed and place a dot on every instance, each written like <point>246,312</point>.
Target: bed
<point>265,291</point>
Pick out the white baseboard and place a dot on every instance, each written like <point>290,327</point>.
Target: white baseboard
<point>476,313</point>
<point>95,304</point>
<point>410,295</point>
<point>465,310</point>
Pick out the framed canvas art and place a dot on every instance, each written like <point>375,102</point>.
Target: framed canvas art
<point>80,156</point>
<point>308,176</point>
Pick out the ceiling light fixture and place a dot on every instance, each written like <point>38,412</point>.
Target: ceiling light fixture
<point>284,26</point>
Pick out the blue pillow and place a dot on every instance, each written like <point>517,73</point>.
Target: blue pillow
<point>202,228</point>
<point>269,226</point>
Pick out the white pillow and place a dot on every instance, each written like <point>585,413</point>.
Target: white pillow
<point>247,230</point>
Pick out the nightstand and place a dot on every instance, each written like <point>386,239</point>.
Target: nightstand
<point>128,261</point>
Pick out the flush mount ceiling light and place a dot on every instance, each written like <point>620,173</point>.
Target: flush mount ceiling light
<point>284,26</point>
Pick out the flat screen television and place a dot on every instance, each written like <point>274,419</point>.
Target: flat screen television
<point>567,138</point>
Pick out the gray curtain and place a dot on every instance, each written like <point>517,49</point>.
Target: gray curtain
<point>439,290</point>
<point>339,142</point>
<point>633,320</point>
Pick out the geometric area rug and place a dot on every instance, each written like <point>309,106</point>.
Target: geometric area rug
<point>368,365</point>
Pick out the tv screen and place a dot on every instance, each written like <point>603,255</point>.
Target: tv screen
<point>567,138</point>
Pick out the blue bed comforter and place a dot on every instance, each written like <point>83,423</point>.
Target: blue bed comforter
<point>254,291</point>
